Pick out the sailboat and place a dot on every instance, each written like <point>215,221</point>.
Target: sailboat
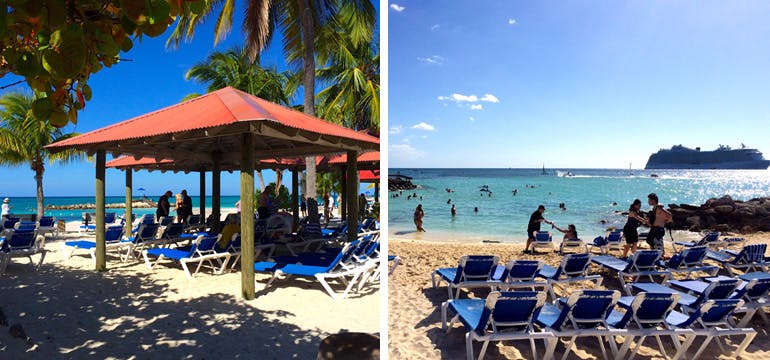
<point>630,173</point>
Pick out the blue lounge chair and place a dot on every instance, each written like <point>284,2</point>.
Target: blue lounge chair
<point>573,268</point>
<point>710,239</point>
<point>583,313</point>
<point>193,223</point>
<point>713,317</point>
<point>688,261</point>
<point>165,220</point>
<point>395,260</point>
<point>518,274</point>
<point>135,244</point>
<point>21,244</point>
<point>645,311</point>
<point>693,293</point>
<point>755,291</point>
<point>501,317</point>
<point>613,241</point>
<point>202,251</point>
<point>112,234</point>
<point>322,271</point>
<point>234,248</point>
<point>10,223</point>
<point>572,243</point>
<point>472,271</point>
<point>25,226</point>
<point>641,263</point>
<point>543,239</point>
<point>46,225</point>
<point>750,258</point>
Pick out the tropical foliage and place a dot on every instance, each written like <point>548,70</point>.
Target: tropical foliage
<point>57,44</point>
<point>23,138</point>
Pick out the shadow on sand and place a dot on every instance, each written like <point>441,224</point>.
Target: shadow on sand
<point>106,315</point>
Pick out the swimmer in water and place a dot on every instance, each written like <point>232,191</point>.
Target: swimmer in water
<point>476,209</point>
<point>454,210</point>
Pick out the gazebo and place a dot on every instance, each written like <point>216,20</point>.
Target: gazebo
<point>222,130</point>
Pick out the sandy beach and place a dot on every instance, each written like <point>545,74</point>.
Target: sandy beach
<point>130,312</point>
<point>414,318</point>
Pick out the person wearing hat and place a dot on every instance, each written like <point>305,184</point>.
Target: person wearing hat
<point>534,225</point>
<point>164,207</point>
<point>6,208</point>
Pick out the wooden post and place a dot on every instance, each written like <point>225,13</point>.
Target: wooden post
<point>377,192</point>
<point>247,216</point>
<point>352,200</point>
<point>129,200</point>
<point>203,196</point>
<point>295,198</point>
<point>343,195</point>
<point>101,244</point>
<point>215,192</point>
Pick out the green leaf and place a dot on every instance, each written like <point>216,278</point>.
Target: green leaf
<point>42,108</point>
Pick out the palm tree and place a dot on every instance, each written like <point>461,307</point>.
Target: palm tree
<point>234,68</point>
<point>353,74</point>
<point>299,21</point>
<point>23,138</point>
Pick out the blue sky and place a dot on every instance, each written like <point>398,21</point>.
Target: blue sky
<point>153,79</point>
<point>574,83</point>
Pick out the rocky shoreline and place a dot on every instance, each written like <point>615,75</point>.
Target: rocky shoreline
<point>144,204</point>
<point>724,215</point>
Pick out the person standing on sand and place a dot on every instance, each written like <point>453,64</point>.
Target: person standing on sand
<point>262,203</point>
<point>184,210</point>
<point>635,219</point>
<point>362,205</point>
<point>164,207</point>
<point>534,226</point>
<point>179,207</point>
<point>6,208</point>
<point>418,216</point>
<point>659,216</point>
<point>303,206</point>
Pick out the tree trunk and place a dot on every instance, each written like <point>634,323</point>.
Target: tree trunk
<point>308,36</point>
<point>261,181</point>
<point>39,181</point>
<point>278,182</point>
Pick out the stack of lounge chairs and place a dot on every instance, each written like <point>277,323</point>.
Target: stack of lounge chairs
<point>680,302</point>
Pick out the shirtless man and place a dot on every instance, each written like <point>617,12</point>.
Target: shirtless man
<point>658,218</point>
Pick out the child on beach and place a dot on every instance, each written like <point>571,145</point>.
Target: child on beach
<point>635,219</point>
<point>418,216</point>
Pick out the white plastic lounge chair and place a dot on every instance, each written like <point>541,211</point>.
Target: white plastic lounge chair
<point>750,258</point>
<point>543,239</point>
<point>201,252</point>
<point>613,241</point>
<point>21,244</point>
<point>572,244</point>
<point>113,235</point>
<point>473,271</point>
<point>642,263</point>
<point>573,268</point>
<point>689,261</point>
<point>501,317</point>
<point>47,225</point>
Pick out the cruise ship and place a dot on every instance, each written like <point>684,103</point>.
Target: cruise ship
<point>681,157</point>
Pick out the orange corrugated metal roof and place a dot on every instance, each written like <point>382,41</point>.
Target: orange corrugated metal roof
<point>368,175</point>
<point>371,156</point>
<point>218,108</point>
<point>125,161</point>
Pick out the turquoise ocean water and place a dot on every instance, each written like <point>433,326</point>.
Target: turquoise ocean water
<point>28,205</point>
<point>588,197</point>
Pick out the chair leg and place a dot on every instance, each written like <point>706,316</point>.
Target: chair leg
<point>187,270</point>
<point>42,257</point>
<point>483,349</point>
<point>147,260</point>
<point>744,344</point>
<point>326,286</point>
<point>468,346</point>
<point>568,348</point>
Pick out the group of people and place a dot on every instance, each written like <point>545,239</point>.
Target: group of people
<point>182,206</point>
<point>656,219</point>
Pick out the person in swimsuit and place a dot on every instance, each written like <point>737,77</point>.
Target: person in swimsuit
<point>635,219</point>
<point>418,216</point>
<point>569,233</point>
<point>659,216</point>
<point>454,210</point>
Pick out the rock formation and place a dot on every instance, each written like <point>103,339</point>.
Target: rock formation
<point>723,214</point>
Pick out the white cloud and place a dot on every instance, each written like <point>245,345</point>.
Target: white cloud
<point>433,60</point>
<point>435,27</point>
<point>459,98</point>
<point>397,7</point>
<point>471,118</point>
<point>477,107</point>
<point>403,152</point>
<point>424,126</point>
<point>510,21</point>
<point>395,129</point>
<point>490,98</point>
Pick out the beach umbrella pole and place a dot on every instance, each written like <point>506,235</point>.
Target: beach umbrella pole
<point>101,248</point>
<point>247,216</point>
<point>295,198</point>
<point>203,195</point>
<point>352,201</point>
<point>129,200</point>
